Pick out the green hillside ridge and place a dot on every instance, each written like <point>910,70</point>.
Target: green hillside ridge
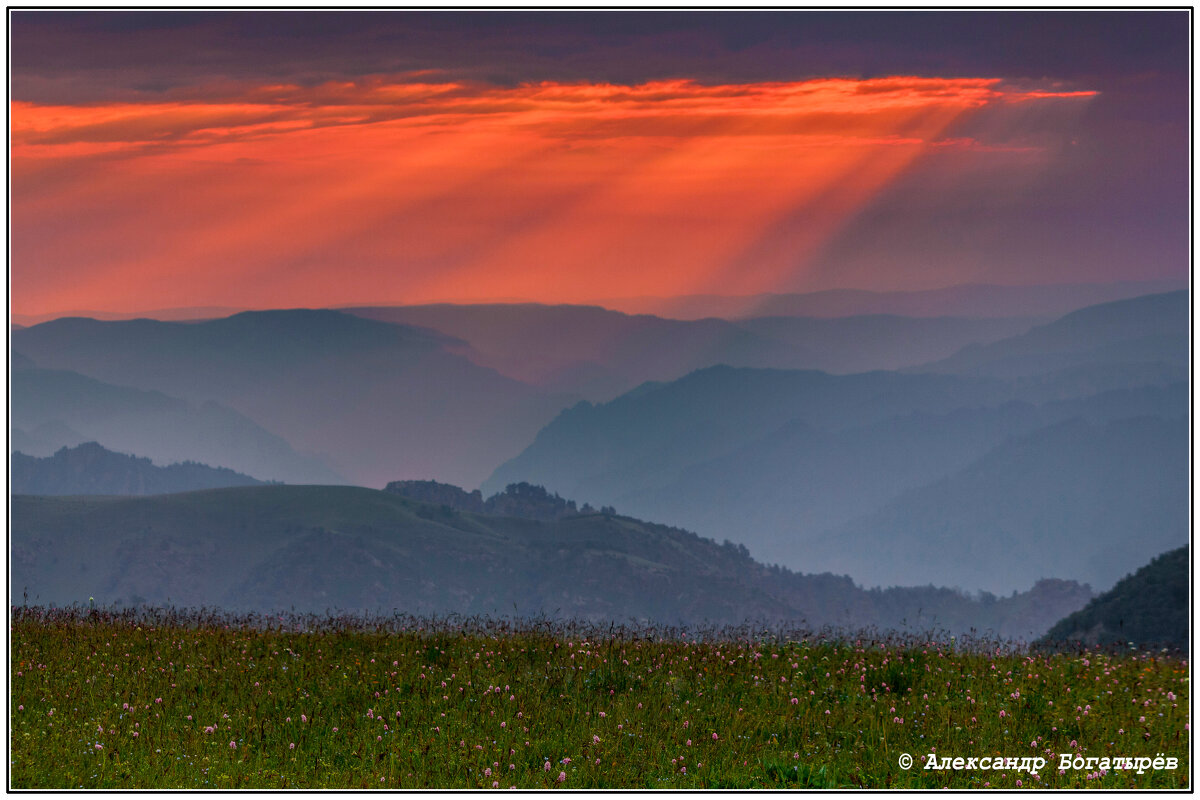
<point>315,548</point>
<point>1148,608</point>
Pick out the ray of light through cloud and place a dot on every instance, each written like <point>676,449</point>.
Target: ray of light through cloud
<point>407,189</point>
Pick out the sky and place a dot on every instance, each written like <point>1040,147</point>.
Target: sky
<point>286,159</point>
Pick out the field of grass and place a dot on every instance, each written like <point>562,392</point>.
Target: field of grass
<point>161,700</point>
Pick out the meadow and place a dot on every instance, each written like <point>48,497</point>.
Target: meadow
<point>164,699</point>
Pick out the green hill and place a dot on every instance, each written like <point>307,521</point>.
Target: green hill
<point>313,548</point>
<point>1148,608</point>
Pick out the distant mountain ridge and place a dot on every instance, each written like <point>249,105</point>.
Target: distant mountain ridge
<point>90,469</point>
<point>974,300</point>
<point>600,353</point>
<point>1140,329</point>
<point>316,548</point>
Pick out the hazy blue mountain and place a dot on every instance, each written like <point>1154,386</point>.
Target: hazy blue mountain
<point>90,469</point>
<point>781,490</point>
<point>59,408</point>
<point>1148,608</point>
<point>778,460</point>
<point>44,439</point>
<point>318,548</point>
<point>643,440</point>
<point>798,483</point>
<point>967,300</point>
<point>382,401</point>
<point>1075,500</point>
<point>1142,330</point>
<point>588,349</point>
<point>600,353</point>
<point>20,361</point>
<point>881,341</point>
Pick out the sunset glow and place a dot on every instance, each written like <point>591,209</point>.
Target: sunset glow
<point>409,189</point>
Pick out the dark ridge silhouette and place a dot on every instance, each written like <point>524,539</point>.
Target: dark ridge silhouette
<point>1148,608</point>
<point>90,469</point>
<point>438,494</point>
<point>517,500</point>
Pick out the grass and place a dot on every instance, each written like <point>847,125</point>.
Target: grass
<point>170,700</point>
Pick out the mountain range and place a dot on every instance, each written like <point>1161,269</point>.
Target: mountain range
<point>965,300</point>
<point>1032,450</point>
<point>819,471</point>
<point>598,354</point>
<point>376,401</point>
<point>346,548</point>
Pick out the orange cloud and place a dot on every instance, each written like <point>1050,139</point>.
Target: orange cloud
<point>387,191</point>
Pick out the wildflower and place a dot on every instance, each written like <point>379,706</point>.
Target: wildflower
<point>292,746</point>
<point>232,744</point>
<point>562,776</point>
<point>547,766</point>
